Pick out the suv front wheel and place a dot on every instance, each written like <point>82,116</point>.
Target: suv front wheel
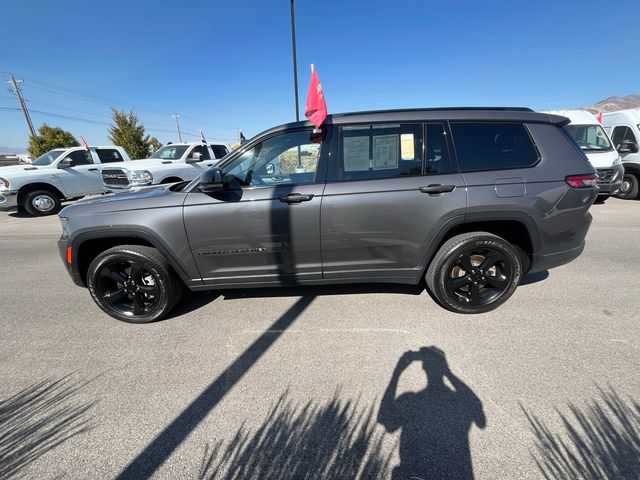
<point>474,272</point>
<point>133,283</point>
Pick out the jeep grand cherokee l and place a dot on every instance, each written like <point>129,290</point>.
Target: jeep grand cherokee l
<point>469,199</point>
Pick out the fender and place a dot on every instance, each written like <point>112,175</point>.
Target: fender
<point>139,232</point>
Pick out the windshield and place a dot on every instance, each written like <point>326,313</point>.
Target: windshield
<point>590,138</point>
<point>170,152</point>
<point>47,158</point>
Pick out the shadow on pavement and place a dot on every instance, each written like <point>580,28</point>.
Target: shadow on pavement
<point>161,447</point>
<point>530,278</point>
<point>600,441</point>
<point>37,420</point>
<point>312,440</point>
<point>321,290</point>
<point>434,423</point>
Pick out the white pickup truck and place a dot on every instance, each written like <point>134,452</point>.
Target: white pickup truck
<point>60,174</point>
<point>172,163</point>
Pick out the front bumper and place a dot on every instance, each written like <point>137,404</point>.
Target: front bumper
<point>610,179</point>
<point>8,200</point>
<point>63,243</point>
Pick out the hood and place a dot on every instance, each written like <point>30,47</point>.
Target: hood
<point>9,170</point>
<point>142,164</point>
<point>602,159</point>
<point>152,197</point>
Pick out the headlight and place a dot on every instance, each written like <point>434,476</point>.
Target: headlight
<point>140,177</point>
<point>64,221</point>
<point>4,184</point>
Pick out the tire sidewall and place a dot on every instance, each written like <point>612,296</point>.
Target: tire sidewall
<point>31,208</point>
<point>485,242</point>
<point>632,193</point>
<point>160,273</point>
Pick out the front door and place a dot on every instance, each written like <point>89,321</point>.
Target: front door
<point>265,226</point>
<point>390,188</point>
<point>83,177</point>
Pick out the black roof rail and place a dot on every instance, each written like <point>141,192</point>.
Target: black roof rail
<point>436,109</point>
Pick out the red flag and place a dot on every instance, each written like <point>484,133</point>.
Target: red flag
<point>599,117</point>
<point>84,144</point>
<point>316,110</point>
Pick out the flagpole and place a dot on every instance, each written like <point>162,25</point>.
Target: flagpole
<point>295,60</point>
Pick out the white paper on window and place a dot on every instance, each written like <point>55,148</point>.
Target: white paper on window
<point>385,152</point>
<point>355,152</point>
<point>407,147</point>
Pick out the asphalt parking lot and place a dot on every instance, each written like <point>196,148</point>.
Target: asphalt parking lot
<point>284,383</point>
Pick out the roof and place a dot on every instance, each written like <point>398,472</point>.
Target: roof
<point>506,114</point>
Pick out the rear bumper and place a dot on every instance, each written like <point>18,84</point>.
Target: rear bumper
<point>541,262</point>
<point>8,200</point>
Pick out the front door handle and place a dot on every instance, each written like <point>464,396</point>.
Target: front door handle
<point>437,188</point>
<point>295,198</point>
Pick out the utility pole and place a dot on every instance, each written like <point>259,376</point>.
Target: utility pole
<point>176,116</point>
<point>16,89</point>
<point>295,60</point>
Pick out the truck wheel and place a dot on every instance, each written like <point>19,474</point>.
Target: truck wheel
<point>133,283</point>
<point>42,202</point>
<point>629,188</point>
<point>474,273</point>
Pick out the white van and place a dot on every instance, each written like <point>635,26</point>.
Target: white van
<point>597,146</point>
<point>624,129</point>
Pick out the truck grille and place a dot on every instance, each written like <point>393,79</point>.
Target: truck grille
<point>605,175</point>
<point>114,177</point>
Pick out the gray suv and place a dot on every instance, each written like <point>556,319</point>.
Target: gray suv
<point>468,199</point>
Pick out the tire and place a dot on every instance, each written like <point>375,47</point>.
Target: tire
<point>453,285</point>
<point>39,203</point>
<point>134,284</point>
<point>629,188</point>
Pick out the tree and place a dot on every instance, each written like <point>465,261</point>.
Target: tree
<point>154,144</point>
<point>128,134</point>
<point>48,139</point>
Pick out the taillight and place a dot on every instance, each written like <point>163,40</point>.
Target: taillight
<point>581,181</point>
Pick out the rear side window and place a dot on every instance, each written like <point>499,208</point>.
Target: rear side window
<point>109,155</point>
<point>219,151</point>
<point>380,151</point>
<point>493,146</point>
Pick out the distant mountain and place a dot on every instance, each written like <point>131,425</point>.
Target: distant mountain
<point>612,104</point>
<point>12,150</point>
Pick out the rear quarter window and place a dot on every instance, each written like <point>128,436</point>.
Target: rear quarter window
<point>493,146</point>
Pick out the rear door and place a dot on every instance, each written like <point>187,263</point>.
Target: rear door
<point>390,188</point>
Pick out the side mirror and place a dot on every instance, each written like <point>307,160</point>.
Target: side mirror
<point>194,158</point>
<point>628,147</point>
<point>65,163</point>
<point>211,180</point>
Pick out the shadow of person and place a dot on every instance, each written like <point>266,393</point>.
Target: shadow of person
<point>435,422</point>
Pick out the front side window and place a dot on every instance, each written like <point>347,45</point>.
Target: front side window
<point>201,149</point>
<point>170,152</point>
<point>81,157</point>
<point>622,134</point>
<point>380,151</point>
<point>590,138</point>
<point>493,146</point>
<point>109,155</point>
<point>289,158</point>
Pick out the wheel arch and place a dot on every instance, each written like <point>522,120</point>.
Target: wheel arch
<point>87,245</point>
<point>30,187</point>
<point>632,167</point>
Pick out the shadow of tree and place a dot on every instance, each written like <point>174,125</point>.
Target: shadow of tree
<point>601,441</point>
<point>37,420</point>
<point>330,441</point>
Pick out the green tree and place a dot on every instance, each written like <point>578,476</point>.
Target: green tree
<point>154,144</point>
<point>128,134</point>
<point>48,139</point>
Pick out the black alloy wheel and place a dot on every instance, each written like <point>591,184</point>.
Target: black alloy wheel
<point>133,283</point>
<point>474,272</point>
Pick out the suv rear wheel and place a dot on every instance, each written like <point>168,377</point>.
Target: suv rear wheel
<point>474,272</point>
<point>133,283</point>
<point>42,202</point>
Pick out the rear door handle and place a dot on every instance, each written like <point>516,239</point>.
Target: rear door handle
<point>437,188</point>
<point>295,198</point>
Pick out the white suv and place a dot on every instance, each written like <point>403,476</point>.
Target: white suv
<point>172,163</point>
<point>60,174</point>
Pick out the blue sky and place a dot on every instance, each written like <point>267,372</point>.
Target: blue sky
<point>225,65</point>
